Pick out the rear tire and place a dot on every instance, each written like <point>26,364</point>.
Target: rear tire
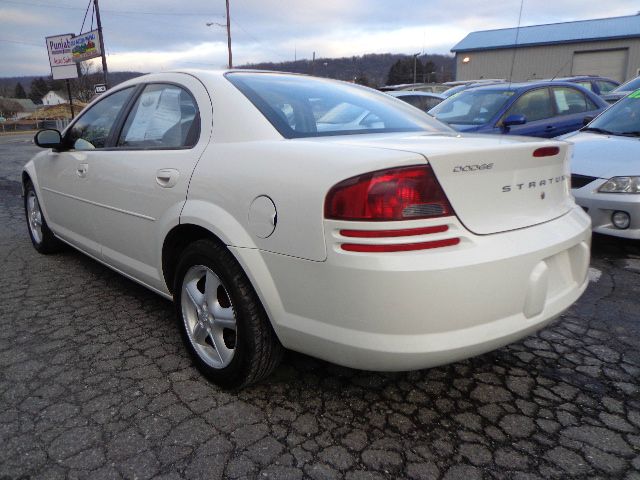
<point>42,238</point>
<point>223,324</point>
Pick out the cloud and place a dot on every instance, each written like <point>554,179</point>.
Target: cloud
<point>151,35</point>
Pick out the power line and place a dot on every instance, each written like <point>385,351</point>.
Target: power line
<point>262,43</point>
<point>128,12</point>
<point>21,43</point>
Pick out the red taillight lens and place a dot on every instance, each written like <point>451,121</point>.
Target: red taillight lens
<point>546,151</point>
<point>406,193</point>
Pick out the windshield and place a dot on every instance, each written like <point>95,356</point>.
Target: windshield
<point>622,118</point>
<point>472,107</point>
<point>299,106</point>
<point>630,86</point>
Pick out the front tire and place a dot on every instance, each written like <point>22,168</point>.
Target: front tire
<point>42,238</point>
<point>223,324</point>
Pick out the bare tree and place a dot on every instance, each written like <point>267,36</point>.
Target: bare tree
<point>82,87</point>
<point>8,108</point>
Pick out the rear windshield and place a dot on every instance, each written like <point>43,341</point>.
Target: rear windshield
<point>471,107</point>
<point>299,106</point>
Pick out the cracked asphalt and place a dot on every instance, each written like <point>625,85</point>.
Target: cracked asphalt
<point>95,384</point>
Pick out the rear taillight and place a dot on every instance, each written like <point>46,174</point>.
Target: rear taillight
<point>406,193</point>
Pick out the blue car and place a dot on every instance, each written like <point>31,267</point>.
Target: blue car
<point>535,109</point>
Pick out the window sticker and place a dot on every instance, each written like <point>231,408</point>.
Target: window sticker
<point>143,116</point>
<point>635,94</point>
<point>561,100</point>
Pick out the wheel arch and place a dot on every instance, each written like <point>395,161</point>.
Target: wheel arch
<point>175,242</point>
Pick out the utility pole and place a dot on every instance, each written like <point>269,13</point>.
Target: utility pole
<point>228,35</point>
<point>105,73</point>
<point>415,64</point>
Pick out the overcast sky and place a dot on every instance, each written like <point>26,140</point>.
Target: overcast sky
<point>153,35</point>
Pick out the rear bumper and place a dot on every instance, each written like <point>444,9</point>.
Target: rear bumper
<point>601,206</point>
<point>412,310</point>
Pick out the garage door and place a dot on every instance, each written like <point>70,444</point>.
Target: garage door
<point>606,63</point>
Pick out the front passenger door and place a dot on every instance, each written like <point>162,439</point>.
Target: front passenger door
<point>64,175</point>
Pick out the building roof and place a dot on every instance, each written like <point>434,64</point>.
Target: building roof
<point>580,31</point>
<point>26,103</point>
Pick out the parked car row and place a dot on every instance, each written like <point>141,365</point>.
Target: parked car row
<point>605,165</point>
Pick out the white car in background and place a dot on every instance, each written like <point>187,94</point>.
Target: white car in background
<point>605,169</point>
<point>389,244</point>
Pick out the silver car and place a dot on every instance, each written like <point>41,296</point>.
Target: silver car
<point>605,169</point>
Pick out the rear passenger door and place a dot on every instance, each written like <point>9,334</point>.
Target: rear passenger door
<point>139,186</point>
<point>572,106</point>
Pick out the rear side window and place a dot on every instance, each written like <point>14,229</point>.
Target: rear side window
<point>604,86</point>
<point>422,102</point>
<point>586,84</point>
<point>92,129</point>
<point>569,100</point>
<point>163,116</point>
<point>534,105</point>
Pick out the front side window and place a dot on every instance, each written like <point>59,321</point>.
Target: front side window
<point>92,129</point>
<point>534,105</point>
<point>570,100</point>
<point>164,116</point>
<point>299,106</point>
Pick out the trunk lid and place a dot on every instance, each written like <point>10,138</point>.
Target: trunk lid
<point>494,183</point>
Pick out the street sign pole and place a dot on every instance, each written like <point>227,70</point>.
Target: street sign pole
<point>104,54</point>
<point>70,99</point>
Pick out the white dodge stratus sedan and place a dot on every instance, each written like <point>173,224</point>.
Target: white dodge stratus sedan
<point>287,211</point>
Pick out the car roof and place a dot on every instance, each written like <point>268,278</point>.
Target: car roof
<point>522,86</point>
<point>418,93</point>
<point>582,77</point>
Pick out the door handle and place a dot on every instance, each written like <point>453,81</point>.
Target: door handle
<point>82,170</point>
<point>167,177</point>
<point>548,128</point>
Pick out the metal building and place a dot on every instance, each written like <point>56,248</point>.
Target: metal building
<point>608,46</point>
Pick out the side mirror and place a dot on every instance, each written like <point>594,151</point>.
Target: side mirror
<point>514,119</point>
<point>48,138</point>
<point>587,120</point>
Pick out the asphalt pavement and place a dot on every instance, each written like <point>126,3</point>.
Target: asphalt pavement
<point>95,384</point>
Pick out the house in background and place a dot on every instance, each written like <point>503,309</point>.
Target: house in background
<point>609,47</point>
<point>55,97</point>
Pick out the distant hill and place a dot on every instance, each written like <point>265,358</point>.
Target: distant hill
<point>369,69</point>
<point>8,84</point>
<point>372,67</point>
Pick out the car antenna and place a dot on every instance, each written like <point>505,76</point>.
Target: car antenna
<point>515,46</point>
<point>561,68</point>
